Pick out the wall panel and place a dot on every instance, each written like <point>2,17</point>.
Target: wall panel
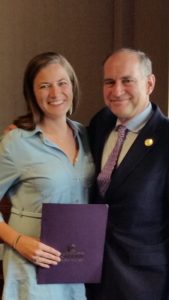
<point>81,30</point>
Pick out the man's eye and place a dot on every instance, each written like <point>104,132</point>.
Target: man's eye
<point>109,82</point>
<point>128,81</point>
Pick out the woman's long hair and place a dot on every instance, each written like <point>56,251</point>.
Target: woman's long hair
<point>34,113</point>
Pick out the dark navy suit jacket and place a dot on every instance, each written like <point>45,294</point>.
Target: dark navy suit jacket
<point>136,254</point>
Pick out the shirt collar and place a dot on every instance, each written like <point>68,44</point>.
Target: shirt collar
<point>38,130</point>
<point>74,126</point>
<point>138,122</point>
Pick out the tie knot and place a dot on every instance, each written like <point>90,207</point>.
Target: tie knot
<point>122,130</point>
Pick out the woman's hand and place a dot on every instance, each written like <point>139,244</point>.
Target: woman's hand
<point>37,252</point>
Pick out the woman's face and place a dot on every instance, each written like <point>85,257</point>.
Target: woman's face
<point>53,91</point>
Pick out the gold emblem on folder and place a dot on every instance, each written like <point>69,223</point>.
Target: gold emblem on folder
<point>148,142</point>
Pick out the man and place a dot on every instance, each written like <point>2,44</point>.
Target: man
<point>137,244</point>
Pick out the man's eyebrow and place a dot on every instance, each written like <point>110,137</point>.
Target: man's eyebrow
<point>127,76</point>
<point>122,78</point>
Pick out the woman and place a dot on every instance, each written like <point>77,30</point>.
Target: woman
<point>45,159</point>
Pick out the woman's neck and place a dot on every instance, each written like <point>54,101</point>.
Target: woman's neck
<point>57,127</point>
<point>62,135</point>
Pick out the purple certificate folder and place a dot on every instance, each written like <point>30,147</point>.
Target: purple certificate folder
<point>78,232</point>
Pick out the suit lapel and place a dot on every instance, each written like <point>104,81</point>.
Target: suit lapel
<point>104,133</point>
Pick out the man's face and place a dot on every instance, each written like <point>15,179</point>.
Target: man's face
<point>126,88</point>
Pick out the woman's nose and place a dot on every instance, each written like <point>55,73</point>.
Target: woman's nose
<point>54,90</point>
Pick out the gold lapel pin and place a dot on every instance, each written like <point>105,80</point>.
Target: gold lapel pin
<point>148,142</point>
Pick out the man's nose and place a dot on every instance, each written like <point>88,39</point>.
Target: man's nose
<point>117,89</point>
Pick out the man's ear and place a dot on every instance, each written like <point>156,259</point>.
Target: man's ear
<point>150,83</point>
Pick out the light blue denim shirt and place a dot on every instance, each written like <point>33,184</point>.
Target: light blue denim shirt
<point>33,170</point>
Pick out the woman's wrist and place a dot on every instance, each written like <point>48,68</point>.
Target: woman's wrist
<point>16,240</point>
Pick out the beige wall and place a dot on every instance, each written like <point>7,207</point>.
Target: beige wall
<point>81,30</point>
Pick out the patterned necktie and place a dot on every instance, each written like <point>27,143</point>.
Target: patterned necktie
<point>104,176</point>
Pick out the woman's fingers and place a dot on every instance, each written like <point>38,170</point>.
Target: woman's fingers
<point>38,252</point>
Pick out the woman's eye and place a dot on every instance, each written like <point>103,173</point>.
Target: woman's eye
<point>62,83</point>
<point>44,86</point>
